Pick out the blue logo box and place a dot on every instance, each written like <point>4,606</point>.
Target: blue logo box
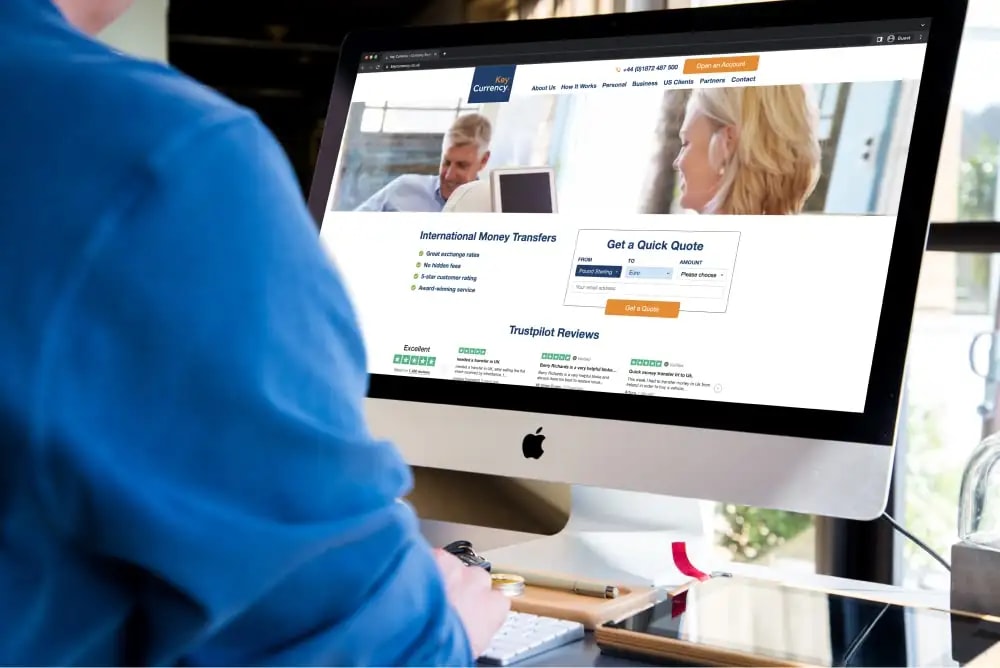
<point>492,84</point>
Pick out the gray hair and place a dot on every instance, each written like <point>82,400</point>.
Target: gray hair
<point>470,129</point>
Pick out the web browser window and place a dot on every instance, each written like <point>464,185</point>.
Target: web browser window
<point>696,216</point>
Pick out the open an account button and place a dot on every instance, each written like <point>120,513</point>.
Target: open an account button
<point>721,65</point>
<point>642,309</point>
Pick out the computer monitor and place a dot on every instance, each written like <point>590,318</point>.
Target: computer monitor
<point>719,310</point>
<point>524,190</point>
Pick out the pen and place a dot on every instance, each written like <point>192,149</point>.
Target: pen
<point>581,587</point>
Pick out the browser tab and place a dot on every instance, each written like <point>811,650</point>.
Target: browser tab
<point>393,57</point>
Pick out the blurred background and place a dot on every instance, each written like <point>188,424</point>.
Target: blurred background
<point>278,57</point>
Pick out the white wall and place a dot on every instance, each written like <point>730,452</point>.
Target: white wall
<point>142,31</point>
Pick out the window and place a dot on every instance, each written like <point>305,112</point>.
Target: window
<point>768,537</point>
<point>972,158</point>
<point>412,135</point>
<point>832,101</point>
<point>415,119</point>
<point>950,397</point>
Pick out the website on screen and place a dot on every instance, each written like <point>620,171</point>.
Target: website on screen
<point>708,227</point>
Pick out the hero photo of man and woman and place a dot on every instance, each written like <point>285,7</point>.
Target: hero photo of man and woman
<point>837,148</point>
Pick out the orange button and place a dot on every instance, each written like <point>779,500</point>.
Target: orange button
<point>642,309</point>
<point>725,64</point>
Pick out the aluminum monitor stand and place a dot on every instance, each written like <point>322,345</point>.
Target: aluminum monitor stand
<point>618,537</point>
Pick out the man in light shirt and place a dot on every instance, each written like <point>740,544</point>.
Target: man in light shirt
<point>464,155</point>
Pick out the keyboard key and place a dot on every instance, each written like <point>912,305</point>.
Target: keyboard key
<point>524,636</point>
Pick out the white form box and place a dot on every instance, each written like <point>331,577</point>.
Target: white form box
<point>684,270</point>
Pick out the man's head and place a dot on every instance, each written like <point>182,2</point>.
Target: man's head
<point>466,151</point>
<point>92,16</point>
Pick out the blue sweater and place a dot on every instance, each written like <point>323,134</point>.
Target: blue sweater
<point>185,472</point>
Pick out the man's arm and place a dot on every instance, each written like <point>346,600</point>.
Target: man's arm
<point>379,200</point>
<point>202,420</point>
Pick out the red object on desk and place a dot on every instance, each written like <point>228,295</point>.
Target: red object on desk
<point>678,604</point>
<point>683,563</point>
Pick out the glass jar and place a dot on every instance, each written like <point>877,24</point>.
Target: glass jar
<point>979,499</point>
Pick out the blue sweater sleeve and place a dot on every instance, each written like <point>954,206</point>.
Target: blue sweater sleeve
<point>201,419</point>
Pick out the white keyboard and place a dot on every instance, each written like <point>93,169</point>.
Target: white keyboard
<point>524,636</point>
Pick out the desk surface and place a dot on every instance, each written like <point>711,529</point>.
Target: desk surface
<point>582,653</point>
<point>586,652</point>
<point>442,533</point>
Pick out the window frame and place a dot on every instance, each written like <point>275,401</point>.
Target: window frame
<point>459,108</point>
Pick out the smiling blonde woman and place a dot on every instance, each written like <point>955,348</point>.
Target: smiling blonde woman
<point>749,151</point>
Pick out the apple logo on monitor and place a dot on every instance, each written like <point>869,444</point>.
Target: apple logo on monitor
<point>531,446</point>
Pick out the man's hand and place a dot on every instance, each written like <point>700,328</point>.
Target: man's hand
<point>470,592</point>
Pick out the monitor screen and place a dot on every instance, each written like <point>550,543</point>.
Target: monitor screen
<point>726,211</point>
<point>528,191</point>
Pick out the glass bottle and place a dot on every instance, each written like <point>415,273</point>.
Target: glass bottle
<point>979,499</point>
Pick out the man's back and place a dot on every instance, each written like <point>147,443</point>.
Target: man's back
<point>185,475</point>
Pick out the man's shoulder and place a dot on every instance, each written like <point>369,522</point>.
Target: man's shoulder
<point>121,108</point>
<point>421,182</point>
<point>157,102</point>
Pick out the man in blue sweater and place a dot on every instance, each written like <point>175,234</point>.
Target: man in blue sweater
<point>185,472</point>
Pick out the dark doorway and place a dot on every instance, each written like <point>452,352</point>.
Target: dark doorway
<point>277,57</point>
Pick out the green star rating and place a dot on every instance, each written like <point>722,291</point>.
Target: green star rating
<point>414,360</point>
<point>653,364</point>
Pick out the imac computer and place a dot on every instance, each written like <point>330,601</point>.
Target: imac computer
<point>524,190</point>
<point>719,309</point>
<point>511,190</point>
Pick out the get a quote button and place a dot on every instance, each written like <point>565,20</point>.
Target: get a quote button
<point>642,309</point>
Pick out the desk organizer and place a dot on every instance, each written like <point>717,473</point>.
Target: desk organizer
<point>588,610</point>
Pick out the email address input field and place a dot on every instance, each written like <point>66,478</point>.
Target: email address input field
<point>691,268</point>
<point>627,291</point>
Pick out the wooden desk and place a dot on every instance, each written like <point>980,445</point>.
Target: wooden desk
<point>586,652</point>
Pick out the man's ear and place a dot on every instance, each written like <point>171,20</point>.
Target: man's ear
<point>484,159</point>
